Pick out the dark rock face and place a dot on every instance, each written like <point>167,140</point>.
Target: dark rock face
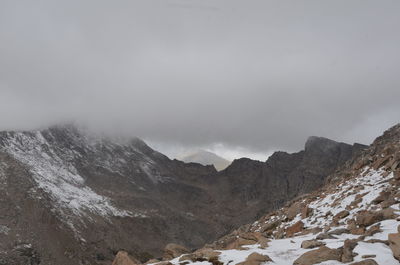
<point>68,197</point>
<point>261,187</point>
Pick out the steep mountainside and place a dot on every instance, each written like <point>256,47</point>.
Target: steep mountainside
<point>206,158</point>
<point>353,219</point>
<point>69,197</point>
<point>260,187</point>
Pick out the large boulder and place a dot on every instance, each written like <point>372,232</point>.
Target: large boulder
<point>172,251</point>
<point>297,227</point>
<point>348,247</point>
<point>341,215</point>
<point>367,218</point>
<point>294,210</point>
<point>394,244</point>
<point>123,258</point>
<point>312,244</point>
<point>306,212</point>
<point>201,254</point>
<point>255,259</point>
<point>318,256</point>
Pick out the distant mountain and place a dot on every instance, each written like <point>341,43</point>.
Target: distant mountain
<point>206,158</point>
<point>68,196</point>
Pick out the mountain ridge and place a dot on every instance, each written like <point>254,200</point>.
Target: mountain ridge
<point>98,195</point>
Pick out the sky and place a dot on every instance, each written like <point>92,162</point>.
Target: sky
<point>240,78</point>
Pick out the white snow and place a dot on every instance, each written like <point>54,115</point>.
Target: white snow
<point>58,178</point>
<point>383,253</point>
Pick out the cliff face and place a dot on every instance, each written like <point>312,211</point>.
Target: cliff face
<point>69,197</point>
<point>257,187</point>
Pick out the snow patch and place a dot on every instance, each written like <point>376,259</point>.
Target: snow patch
<point>58,178</point>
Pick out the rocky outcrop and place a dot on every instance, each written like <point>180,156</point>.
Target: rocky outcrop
<point>348,247</point>
<point>256,259</point>
<point>174,250</point>
<point>297,227</point>
<point>394,243</point>
<point>123,258</point>
<point>312,244</point>
<point>318,255</point>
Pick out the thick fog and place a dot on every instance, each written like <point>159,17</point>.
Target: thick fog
<point>236,77</point>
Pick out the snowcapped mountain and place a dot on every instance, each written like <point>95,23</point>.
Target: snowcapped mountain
<point>206,158</point>
<point>73,197</point>
<point>353,219</point>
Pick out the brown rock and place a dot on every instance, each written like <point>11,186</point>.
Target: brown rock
<point>266,228</point>
<point>255,237</point>
<point>367,218</point>
<point>396,174</point>
<point>388,203</point>
<point>152,261</point>
<point>311,244</point>
<point>172,251</point>
<point>365,262</point>
<point>256,259</point>
<point>339,231</point>
<point>202,254</point>
<point>383,196</point>
<point>297,227</point>
<point>263,242</point>
<point>357,231</point>
<point>239,242</point>
<point>215,261</point>
<point>394,244</point>
<point>348,247</point>
<point>279,233</point>
<point>318,256</point>
<point>388,213</point>
<point>123,258</point>
<point>380,162</point>
<point>373,230</point>
<point>341,215</point>
<point>293,210</point>
<point>306,212</point>
<point>323,236</point>
<point>368,256</point>
<point>207,253</point>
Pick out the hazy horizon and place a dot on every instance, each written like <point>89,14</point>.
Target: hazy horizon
<point>239,78</point>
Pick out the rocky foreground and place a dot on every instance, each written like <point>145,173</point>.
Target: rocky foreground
<point>353,219</point>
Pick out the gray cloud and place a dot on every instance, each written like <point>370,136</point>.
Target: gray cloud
<point>258,75</point>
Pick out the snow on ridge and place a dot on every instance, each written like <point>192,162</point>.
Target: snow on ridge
<point>99,144</point>
<point>60,180</point>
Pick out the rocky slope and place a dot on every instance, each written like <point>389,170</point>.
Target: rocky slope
<point>352,219</point>
<point>70,197</point>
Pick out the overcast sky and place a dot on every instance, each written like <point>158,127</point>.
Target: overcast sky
<point>236,77</point>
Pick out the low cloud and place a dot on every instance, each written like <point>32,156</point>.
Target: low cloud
<point>252,76</point>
